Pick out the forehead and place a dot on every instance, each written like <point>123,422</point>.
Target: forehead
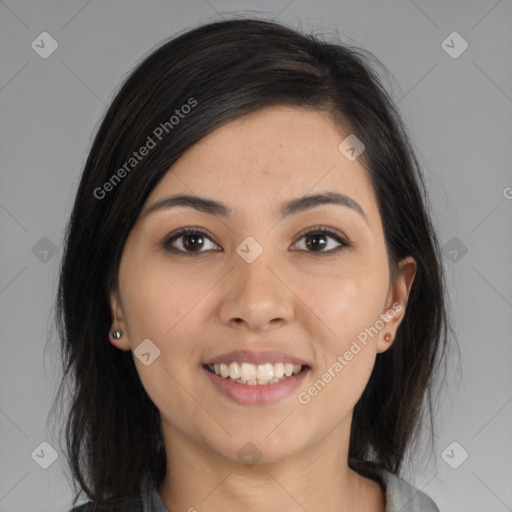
<point>269,156</point>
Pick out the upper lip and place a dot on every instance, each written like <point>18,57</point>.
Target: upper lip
<point>256,357</point>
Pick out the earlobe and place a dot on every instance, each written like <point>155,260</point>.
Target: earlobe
<point>397,302</point>
<point>116,334</point>
<point>384,344</point>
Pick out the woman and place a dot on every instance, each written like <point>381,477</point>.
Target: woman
<point>251,302</point>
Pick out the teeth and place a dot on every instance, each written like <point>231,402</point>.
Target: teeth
<point>252,375</point>
<point>265,371</point>
<point>278,370</point>
<point>234,371</point>
<point>248,371</point>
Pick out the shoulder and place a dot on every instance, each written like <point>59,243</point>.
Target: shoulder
<point>402,496</point>
<point>138,502</point>
<point>135,505</point>
<point>91,507</point>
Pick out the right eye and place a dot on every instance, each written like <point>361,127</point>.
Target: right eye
<point>188,241</point>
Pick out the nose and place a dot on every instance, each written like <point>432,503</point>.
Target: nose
<point>255,297</point>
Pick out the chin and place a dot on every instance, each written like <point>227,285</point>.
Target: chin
<point>260,449</point>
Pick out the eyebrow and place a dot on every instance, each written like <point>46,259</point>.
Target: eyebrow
<point>292,207</point>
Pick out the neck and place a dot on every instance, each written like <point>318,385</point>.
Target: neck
<point>316,479</point>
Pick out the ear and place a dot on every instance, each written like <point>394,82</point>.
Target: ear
<point>396,303</point>
<point>118,322</point>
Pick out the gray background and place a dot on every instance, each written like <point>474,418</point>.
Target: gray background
<point>458,111</point>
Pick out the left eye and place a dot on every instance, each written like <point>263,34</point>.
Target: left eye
<point>320,239</point>
<point>189,241</point>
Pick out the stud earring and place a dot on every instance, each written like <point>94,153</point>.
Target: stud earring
<point>117,334</point>
<point>388,337</point>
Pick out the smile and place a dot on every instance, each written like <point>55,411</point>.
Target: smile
<point>255,374</point>
<point>265,383</point>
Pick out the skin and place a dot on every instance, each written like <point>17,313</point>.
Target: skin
<point>291,298</point>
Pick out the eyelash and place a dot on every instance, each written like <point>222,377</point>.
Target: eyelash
<point>167,243</point>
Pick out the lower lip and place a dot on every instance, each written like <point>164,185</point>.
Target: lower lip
<point>259,393</point>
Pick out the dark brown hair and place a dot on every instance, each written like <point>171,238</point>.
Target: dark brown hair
<point>228,69</point>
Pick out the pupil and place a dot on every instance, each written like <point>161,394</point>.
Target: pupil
<point>316,243</point>
<point>190,241</point>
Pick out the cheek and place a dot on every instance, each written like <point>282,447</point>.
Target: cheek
<point>158,299</point>
<point>345,303</point>
<point>344,363</point>
<point>166,308</point>
<point>168,316</point>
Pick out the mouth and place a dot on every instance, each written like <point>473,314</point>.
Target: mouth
<point>255,374</point>
<point>256,382</point>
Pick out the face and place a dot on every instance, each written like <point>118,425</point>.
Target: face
<point>260,288</point>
